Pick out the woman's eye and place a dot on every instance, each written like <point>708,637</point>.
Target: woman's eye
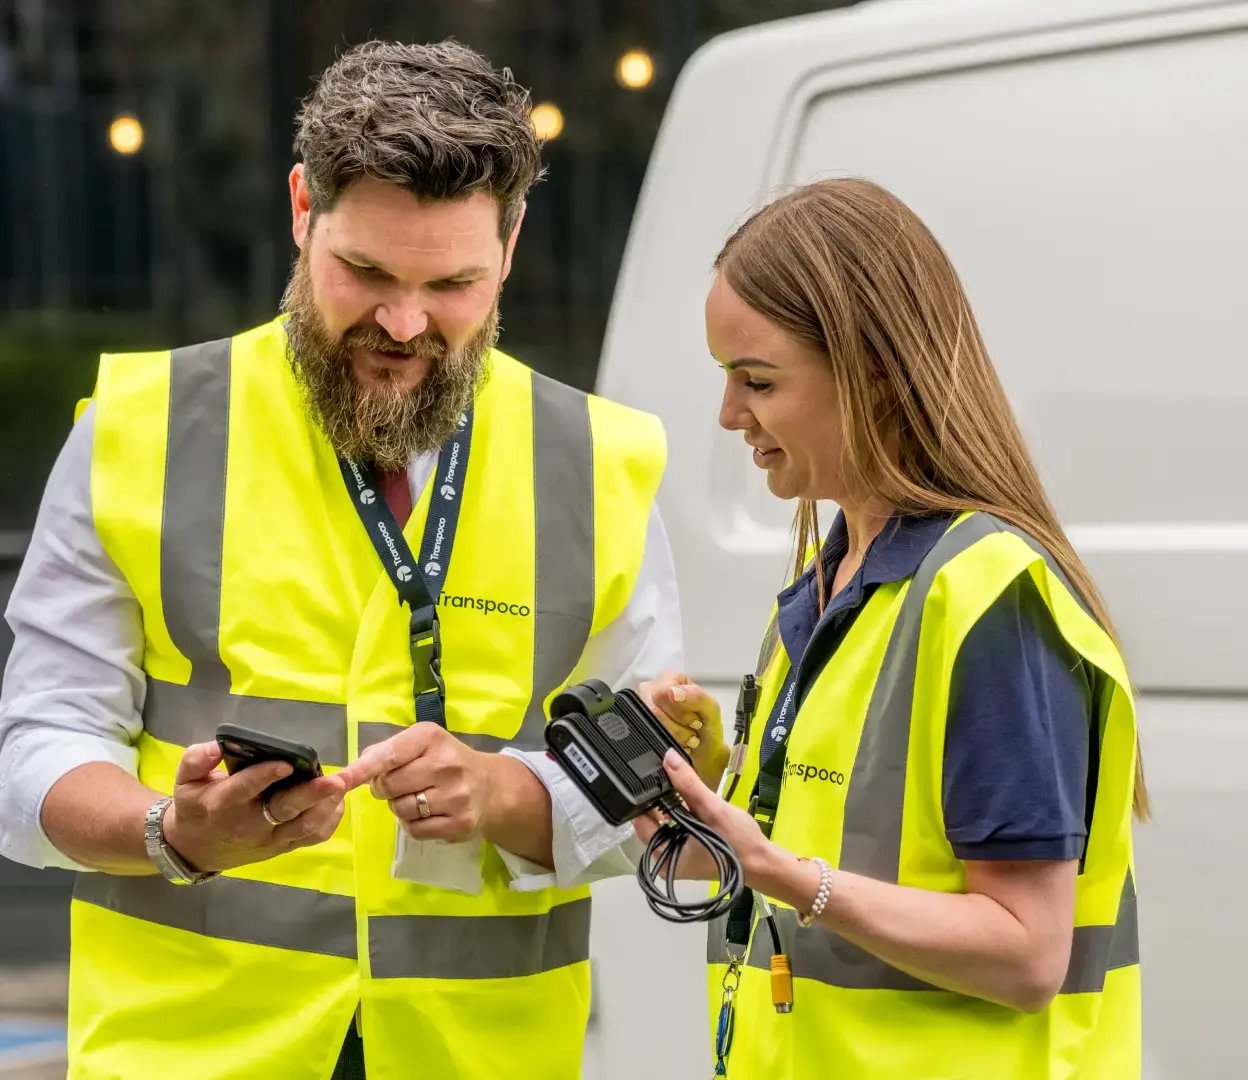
<point>759,387</point>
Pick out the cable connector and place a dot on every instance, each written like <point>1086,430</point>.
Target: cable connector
<point>747,702</point>
<point>781,984</point>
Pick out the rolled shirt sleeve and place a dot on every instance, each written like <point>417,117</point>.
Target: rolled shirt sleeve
<point>73,688</point>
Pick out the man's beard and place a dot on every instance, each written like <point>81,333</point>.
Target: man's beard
<point>379,421</point>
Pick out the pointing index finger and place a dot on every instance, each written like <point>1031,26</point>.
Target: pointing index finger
<point>384,757</point>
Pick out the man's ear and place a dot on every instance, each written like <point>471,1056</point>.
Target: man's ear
<point>300,207</point>
<point>511,243</point>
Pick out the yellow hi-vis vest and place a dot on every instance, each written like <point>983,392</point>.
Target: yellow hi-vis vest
<point>264,603</point>
<point>862,788</point>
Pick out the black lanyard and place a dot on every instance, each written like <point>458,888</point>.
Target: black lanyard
<point>779,724</point>
<point>740,920</point>
<point>418,584</point>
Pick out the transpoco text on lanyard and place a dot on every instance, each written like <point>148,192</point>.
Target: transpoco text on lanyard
<point>418,583</point>
<point>781,719</point>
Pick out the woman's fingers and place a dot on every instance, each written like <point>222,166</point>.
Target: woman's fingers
<point>687,737</point>
<point>698,797</point>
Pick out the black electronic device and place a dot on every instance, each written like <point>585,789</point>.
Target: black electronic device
<point>243,746</point>
<point>612,747</point>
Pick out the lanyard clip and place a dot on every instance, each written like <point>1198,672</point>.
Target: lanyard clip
<point>765,818</point>
<point>426,647</point>
<point>726,1024</point>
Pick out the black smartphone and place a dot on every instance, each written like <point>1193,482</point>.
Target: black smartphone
<point>243,746</point>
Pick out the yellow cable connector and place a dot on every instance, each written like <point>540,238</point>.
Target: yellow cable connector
<point>781,984</point>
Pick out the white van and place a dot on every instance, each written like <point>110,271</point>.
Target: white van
<point>1085,163</point>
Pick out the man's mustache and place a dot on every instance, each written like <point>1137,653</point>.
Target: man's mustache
<point>425,346</point>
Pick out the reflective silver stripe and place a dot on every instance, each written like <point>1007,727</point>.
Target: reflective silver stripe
<point>187,714</point>
<point>1124,948</point>
<point>479,947</point>
<point>825,957</point>
<point>871,844</point>
<point>400,946</point>
<point>233,909</point>
<point>373,732</point>
<point>563,485</point>
<point>1044,553</point>
<point>194,511</point>
<point>1098,950</point>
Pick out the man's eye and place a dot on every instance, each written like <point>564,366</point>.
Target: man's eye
<point>452,286</point>
<point>371,273</point>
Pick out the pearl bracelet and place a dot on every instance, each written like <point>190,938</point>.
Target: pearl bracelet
<point>821,897</point>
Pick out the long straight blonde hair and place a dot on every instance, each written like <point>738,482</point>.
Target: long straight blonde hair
<point>847,267</point>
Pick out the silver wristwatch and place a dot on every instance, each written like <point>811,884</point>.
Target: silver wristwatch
<point>171,865</point>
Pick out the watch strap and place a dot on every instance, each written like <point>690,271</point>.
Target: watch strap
<point>172,866</point>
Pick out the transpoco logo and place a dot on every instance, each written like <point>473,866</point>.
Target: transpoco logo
<point>367,497</point>
<point>799,771</point>
<point>452,467</point>
<point>447,492</point>
<point>432,568</point>
<point>487,607</point>
<point>390,545</point>
<point>463,420</point>
<point>436,553</point>
<point>404,573</point>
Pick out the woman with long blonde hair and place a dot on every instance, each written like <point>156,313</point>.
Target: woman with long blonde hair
<point>933,800</point>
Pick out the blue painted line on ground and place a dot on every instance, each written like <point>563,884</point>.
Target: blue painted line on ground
<point>29,1034</point>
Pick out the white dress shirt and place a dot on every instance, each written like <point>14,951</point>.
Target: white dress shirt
<point>74,687</point>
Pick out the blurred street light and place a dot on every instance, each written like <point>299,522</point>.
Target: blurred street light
<point>125,134</point>
<point>635,69</point>
<point>547,120</point>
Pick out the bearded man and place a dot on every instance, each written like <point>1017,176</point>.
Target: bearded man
<point>363,528</point>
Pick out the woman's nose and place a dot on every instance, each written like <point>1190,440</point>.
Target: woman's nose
<point>733,414</point>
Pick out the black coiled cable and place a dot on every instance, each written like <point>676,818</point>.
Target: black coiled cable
<point>656,872</point>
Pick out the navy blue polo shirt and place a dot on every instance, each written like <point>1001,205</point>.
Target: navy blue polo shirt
<point>1017,740</point>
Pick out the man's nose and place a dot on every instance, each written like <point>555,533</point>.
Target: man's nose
<point>403,320</point>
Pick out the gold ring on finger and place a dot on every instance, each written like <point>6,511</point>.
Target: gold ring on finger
<point>422,805</point>
<point>268,814</point>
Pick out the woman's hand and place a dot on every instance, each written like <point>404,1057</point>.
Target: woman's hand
<point>731,822</point>
<point>692,717</point>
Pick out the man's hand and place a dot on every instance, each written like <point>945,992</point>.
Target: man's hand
<point>217,821</point>
<point>426,767</point>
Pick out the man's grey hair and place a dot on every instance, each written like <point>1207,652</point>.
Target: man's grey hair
<point>437,120</point>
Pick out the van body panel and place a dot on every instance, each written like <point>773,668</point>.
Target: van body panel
<point>1085,163</point>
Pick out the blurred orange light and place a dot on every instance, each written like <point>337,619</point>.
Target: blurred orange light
<point>635,69</point>
<point>125,134</point>
<point>547,120</point>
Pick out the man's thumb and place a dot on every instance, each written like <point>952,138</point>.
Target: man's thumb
<point>198,762</point>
